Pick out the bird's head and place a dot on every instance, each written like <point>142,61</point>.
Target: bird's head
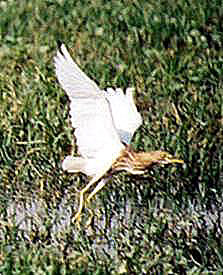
<point>160,157</point>
<point>165,158</point>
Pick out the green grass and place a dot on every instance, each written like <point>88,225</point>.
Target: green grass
<point>166,222</point>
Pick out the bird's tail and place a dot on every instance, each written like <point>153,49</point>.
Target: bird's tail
<point>74,164</point>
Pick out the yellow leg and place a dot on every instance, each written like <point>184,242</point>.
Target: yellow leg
<point>100,185</point>
<point>89,221</point>
<point>77,217</point>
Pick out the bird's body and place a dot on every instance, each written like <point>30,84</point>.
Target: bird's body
<point>104,123</point>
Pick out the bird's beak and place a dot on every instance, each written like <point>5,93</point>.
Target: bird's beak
<point>173,160</point>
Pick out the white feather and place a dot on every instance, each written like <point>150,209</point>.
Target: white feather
<point>97,139</point>
<point>75,82</point>
<point>125,115</point>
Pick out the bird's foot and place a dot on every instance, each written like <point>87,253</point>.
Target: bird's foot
<point>77,218</point>
<point>90,219</point>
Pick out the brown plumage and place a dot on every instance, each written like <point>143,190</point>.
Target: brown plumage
<point>138,162</point>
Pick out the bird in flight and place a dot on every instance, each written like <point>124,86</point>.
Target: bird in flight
<point>104,123</point>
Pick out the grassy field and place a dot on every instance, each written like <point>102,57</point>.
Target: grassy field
<point>169,221</point>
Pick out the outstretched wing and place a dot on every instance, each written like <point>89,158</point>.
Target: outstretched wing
<point>90,113</point>
<point>72,79</point>
<point>125,115</point>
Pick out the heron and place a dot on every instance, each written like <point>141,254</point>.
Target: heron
<point>104,123</point>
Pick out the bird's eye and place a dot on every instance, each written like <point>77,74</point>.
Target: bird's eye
<point>166,156</point>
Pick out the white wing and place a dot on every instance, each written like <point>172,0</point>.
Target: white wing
<point>75,82</point>
<point>91,117</point>
<point>125,115</point>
